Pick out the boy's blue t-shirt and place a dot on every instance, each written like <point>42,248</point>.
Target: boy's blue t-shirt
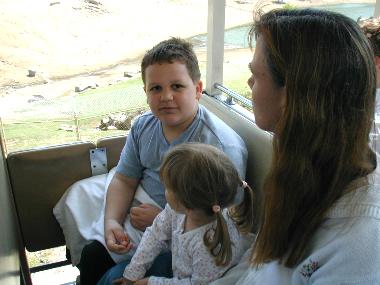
<point>146,146</point>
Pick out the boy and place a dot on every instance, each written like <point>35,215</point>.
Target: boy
<point>171,78</point>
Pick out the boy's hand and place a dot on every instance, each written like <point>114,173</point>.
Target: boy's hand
<point>122,281</point>
<point>116,239</point>
<point>143,215</point>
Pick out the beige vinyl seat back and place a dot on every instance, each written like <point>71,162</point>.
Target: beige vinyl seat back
<point>114,146</point>
<point>38,179</point>
<point>258,142</point>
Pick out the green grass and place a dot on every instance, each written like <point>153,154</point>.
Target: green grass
<point>39,123</point>
<point>110,99</point>
<point>236,80</point>
<point>235,84</point>
<point>28,134</point>
<point>288,6</point>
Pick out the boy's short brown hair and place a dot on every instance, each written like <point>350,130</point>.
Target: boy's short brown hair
<point>168,51</point>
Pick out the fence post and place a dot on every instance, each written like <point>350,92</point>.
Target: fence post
<point>77,125</point>
<point>76,116</point>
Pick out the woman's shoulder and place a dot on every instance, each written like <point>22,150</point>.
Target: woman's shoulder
<point>363,200</point>
<point>344,251</point>
<point>346,247</point>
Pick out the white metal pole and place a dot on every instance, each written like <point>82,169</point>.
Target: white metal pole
<point>377,8</point>
<point>215,44</point>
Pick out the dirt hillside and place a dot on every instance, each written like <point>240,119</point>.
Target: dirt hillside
<point>67,42</point>
<point>60,39</point>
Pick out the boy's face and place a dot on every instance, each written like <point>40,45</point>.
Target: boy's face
<point>172,95</point>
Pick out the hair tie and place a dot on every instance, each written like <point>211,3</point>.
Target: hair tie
<point>216,209</point>
<point>244,184</point>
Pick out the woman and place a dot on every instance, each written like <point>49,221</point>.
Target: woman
<point>313,85</point>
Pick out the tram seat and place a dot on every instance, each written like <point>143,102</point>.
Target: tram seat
<point>38,179</point>
<point>258,142</point>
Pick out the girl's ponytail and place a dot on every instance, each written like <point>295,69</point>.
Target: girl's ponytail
<point>245,214</point>
<point>218,241</point>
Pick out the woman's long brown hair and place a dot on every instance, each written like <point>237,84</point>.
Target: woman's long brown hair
<point>321,141</point>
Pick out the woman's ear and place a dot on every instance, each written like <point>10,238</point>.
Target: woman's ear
<point>377,62</point>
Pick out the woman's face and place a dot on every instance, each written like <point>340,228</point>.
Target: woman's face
<point>267,97</point>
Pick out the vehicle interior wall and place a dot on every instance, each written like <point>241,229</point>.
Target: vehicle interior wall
<point>9,254</point>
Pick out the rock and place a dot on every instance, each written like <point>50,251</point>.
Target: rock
<point>36,98</point>
<point>31,73</point>
<point>120,121</point>
<point>85,87</point>
<point>67,128</point>
<point>123,122</point>
<point>105,123</point>
<point>93,2</point>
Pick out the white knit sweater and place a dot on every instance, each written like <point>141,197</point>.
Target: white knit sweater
<point>344,250</point>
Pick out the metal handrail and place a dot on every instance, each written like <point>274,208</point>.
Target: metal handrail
<point>241,110</point>
<point>232,94</point>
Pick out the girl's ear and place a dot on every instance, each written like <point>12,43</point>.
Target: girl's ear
<point>199,89</point>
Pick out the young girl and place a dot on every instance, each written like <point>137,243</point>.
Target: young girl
<point>205,236</point>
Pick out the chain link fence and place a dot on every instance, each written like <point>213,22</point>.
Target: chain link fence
<point>39,121</point>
